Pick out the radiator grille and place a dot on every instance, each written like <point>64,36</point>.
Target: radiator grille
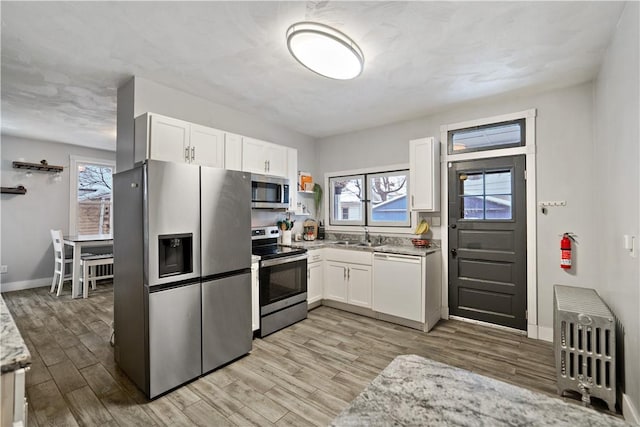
<point>584,344</point>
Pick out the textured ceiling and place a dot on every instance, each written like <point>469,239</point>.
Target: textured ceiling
<point>62,62</point>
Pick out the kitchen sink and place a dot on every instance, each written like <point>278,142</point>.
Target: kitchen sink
<point>357,244</point>
<point>369,244</point>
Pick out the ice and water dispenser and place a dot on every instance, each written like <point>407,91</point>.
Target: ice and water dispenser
<point>175,254</point>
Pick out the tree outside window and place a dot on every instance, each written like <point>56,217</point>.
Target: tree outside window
<point>92,201</point>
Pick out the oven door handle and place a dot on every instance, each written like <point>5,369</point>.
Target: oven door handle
<point>283,260</point>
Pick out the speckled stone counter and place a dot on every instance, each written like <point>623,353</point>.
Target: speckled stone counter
<point>14,354</point>
<point>390,248</point>
<point>414,391</point>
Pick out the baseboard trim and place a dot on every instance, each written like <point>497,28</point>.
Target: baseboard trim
<point>629,412</point>
<point>25,284</point>
<point>545,333</point>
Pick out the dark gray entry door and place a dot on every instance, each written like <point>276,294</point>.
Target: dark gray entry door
<point>488,241</point>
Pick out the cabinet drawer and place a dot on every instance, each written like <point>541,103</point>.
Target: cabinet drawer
<point>315,255</point>
<point>350,256</point>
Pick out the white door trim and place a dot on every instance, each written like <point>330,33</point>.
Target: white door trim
<point>529,150</point>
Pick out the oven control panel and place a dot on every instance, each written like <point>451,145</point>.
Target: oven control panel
<point>268,232</point>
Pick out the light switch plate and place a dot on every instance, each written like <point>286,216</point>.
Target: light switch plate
<point>4,269</point>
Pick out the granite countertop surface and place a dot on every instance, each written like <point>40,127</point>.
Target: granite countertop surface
<point>413,390</point>
<point>14,353</point>
<point>386,248</point>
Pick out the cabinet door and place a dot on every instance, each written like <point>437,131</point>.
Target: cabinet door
<point>424,171</point>
<point>253,155</point>
<point>359,277</point>
<point>315,276</point>
<point>292,174</point>
<point>335,281</point>
<point>169,139</point>
<point>206,146</point>
<point>255,302</point>
<point>232,151</point>
<point>276,156</point>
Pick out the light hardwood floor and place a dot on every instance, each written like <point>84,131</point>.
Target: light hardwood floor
<point>303,375</point>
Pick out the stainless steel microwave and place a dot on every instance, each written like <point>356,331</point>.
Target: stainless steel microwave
<point>269,192</point>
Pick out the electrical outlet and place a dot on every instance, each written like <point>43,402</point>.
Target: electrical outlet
<point>4,269</point>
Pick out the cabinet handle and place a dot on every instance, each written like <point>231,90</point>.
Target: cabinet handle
<point>268,165</point>
<point>344,273</point>
<point>193,153</point>
<point>348,273</point>
<point>186,154</point>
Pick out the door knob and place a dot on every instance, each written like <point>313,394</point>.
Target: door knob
<point>454,252</point>
<point>453,226</point>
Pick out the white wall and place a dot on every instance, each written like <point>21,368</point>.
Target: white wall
<point>617,148</point>
<point>564,143</point>
<point>26,219</point>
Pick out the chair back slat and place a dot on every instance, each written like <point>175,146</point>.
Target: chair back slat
<point>58,245</point>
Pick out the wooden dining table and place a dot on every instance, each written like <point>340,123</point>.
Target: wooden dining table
<point>79,243</point>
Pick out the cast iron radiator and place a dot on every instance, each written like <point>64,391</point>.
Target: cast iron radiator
<point>584,341</point>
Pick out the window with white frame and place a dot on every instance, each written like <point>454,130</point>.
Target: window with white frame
<point>91,192</point>
<point>377,199</point>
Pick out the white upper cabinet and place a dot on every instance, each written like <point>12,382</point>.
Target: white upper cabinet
<point>232,151</point>
<point>263,157</point>
<point>206,146</point>
<point>292,174</point>
<point>424,171</point>
<point>164,138</point>
<point>167,138</point>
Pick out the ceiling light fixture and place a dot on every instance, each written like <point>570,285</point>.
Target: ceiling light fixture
<point>325,50</point>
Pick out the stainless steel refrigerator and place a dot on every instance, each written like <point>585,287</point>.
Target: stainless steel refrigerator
<point>182,281</point>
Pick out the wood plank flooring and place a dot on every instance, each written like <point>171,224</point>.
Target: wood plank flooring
<point>303,375</point>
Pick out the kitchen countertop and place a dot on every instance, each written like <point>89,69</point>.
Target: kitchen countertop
<point>390,249</point>
<point>413,390</point>
<point>14,353</point>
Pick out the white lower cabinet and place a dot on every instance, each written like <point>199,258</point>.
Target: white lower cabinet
<point>335,276</point>
<point>359,285</point>
<point>255,296</point>
<point>348,277</point>
<point>315,276</point>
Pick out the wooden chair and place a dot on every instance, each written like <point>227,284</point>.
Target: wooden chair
<point>95,267</point>
<point>60,261</point>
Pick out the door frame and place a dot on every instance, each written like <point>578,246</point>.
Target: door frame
<point>529,150</point>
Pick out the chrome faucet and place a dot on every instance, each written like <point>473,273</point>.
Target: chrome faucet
<point>366,235</point>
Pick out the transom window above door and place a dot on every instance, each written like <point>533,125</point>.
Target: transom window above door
<point>487,137</point>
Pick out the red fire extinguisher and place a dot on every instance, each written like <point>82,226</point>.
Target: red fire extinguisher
<point>565,250</point>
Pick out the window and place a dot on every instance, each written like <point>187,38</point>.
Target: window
<point>91,196</point>
<point>373,199</point>
<point>487,137</point>
<point>486,195</point>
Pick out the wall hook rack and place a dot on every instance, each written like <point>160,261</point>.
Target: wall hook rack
<point>42,166</point>
<point>14,190</point>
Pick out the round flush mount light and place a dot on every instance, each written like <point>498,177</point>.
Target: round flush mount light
<point>325,50</point>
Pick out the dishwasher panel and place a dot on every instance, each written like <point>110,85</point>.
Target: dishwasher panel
<point>174,337</point>
<point>397,286</point>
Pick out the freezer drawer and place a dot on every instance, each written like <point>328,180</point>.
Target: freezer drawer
<point>226,320</point>
<point>174,337</point>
